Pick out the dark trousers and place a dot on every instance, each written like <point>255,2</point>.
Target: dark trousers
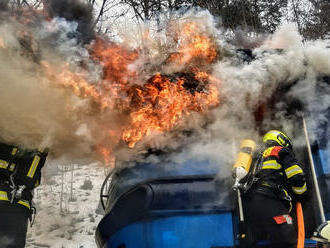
<point>13,225</point>
<point>259,211</point>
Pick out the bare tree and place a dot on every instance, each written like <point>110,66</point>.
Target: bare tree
<point>312,17</point>
<point>318,25</point>
<point>105,13</point>
<point>145,10</point>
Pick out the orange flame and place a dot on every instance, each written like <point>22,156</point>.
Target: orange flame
<point>159,105</point>
<point>194,45</point>
<point>79,85</point>
<point>115,61</point>
<point>109,159</point>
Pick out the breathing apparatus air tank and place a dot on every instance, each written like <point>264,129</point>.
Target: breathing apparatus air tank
<point>243,161</point>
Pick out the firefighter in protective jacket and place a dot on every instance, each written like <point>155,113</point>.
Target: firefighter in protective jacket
<point>268,202</point>
<point>20,173</point>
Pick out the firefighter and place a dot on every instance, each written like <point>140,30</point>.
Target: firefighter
<point>20,173</point>
<point>278,181</point>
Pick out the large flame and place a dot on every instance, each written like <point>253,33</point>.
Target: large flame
<point>147,102</point>
<point>160,104</point>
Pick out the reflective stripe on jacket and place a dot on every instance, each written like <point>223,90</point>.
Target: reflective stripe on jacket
<point>24,164</point>
<point>4,197</point>
<point>280,167</point>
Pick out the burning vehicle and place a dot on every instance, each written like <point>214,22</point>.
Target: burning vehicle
<point>167,203</point>
<point>166,115</point>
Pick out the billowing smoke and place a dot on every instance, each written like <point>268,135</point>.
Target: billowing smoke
<point>285,74</point>
<point>74,11</point>
<point>85,96</point>
<point>36,111</point>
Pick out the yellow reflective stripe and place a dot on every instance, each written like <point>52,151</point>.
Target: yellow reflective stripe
<point>3,164</point>
<point>271,164</point>
<point>3,196</point>
<point>292,171</point>
<point>34,166</point>
<point>24,203</point>
<point>14,151</point>
<point>300,190</point>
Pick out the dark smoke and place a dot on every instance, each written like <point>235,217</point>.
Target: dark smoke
<point>74,10</point>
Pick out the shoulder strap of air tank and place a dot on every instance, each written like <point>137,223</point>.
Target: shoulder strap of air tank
<point>252,177</point>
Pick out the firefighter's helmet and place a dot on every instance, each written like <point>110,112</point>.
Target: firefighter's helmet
<point>275,137</point>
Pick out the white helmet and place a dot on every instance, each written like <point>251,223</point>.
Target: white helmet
<point>322,233</point>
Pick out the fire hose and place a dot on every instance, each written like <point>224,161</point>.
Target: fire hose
<point>300,225</point>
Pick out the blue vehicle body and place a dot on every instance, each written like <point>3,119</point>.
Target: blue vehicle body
<point>322,163</point>
<point>160,205</point>
<point>165,204</point>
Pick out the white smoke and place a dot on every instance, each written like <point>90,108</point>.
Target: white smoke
<point>36,112</point>
<point>244,86</point>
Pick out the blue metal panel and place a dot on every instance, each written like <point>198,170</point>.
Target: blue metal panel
<point>322,159</point>
<point>325,160</point>
<point>197,231</point>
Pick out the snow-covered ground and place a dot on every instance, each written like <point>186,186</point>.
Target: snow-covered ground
<point>66,205</point>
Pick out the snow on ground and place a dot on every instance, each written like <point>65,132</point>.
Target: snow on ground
<point>66,205</point>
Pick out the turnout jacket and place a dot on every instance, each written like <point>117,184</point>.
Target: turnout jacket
<point>19,169</point>
<point>281,173</point>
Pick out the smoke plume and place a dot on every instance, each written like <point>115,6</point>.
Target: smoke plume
<point>182,88</point>
<point>74,11</point>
